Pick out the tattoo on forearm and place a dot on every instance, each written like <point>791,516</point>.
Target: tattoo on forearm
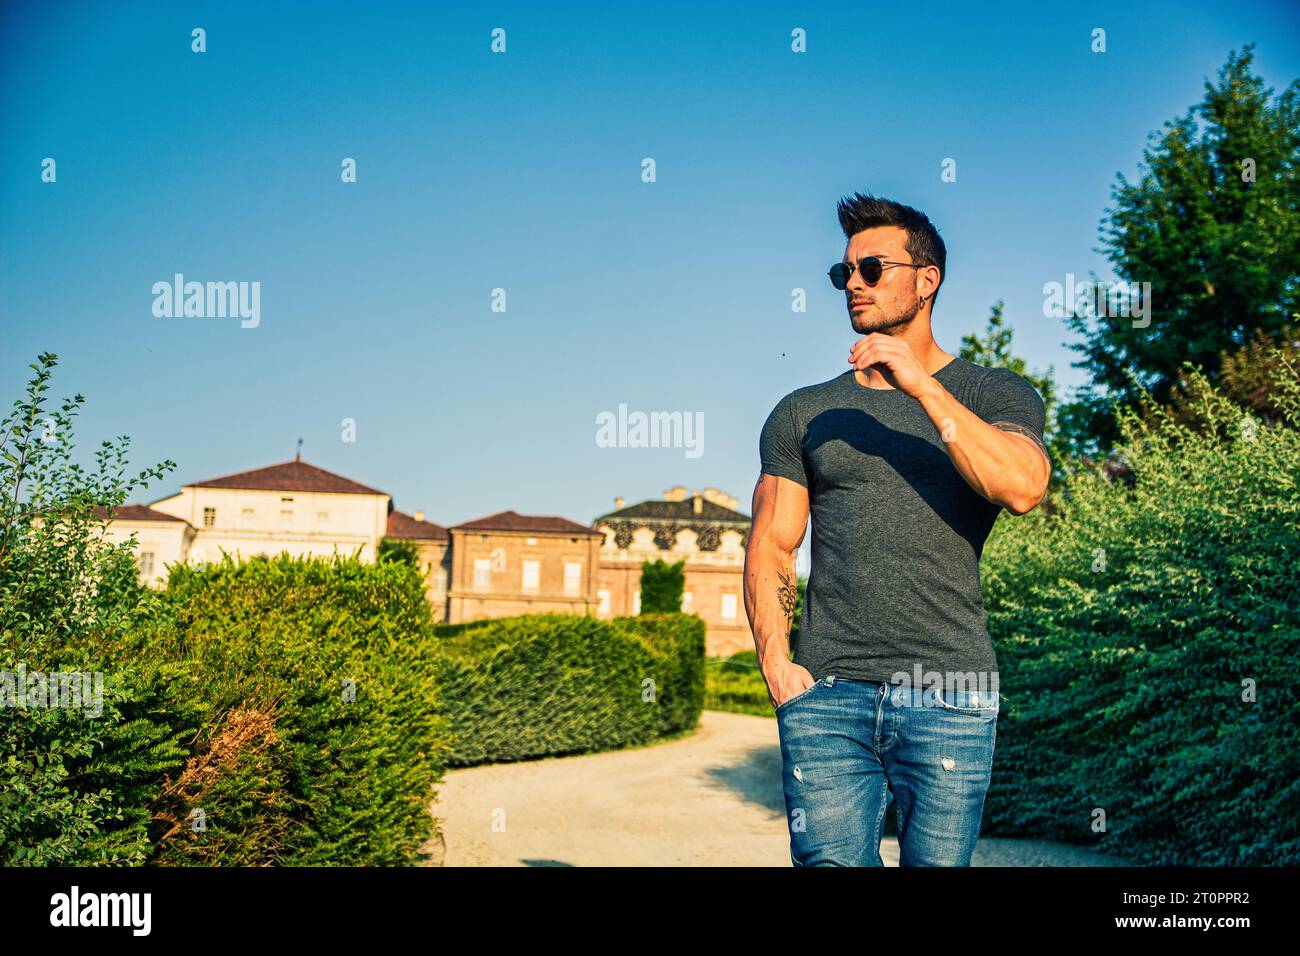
<point>788,593</point>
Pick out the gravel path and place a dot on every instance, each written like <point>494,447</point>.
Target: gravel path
<point>710,799</point>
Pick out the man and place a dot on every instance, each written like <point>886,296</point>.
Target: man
<point>903,462</point>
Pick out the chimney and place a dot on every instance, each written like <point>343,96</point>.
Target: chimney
<point>675,493</point>
<point>618,504</point>
<point>697,503</point>
<point>720,497</point>
<point>419,516</point>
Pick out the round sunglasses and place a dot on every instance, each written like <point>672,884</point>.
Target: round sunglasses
<point>871,267</point>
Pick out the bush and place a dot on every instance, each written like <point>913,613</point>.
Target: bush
<point>74,780</point>
<point>662,585</point>
<point>1131,625</point>
<point>736,684</point>
<point>321,743</point>
<point>552,684</point>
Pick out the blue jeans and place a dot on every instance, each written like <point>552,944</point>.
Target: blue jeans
<point>848,747</point>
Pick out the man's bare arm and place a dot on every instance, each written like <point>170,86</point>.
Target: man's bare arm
<point>999,461</point>
<point>780,511</point>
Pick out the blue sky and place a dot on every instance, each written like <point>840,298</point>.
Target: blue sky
<point>522,171</point>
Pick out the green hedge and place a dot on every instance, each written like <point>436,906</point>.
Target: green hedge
<point>552,684</point>
<point>287,769</point>
<point>1129,625</point>
<point>736,684</point>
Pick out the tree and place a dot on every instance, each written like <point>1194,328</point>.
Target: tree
<point>1213,224</point>
<point>662,585</point>
<point>1247,378</point>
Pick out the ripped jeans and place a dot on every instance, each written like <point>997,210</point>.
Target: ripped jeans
<point>849,747</point>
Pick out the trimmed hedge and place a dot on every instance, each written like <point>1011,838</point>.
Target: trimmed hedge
<point>736,684</point>
<point>287,769</point>
<point>553,684</point>
<point>1130,626</point>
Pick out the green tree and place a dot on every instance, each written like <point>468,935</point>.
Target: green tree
<point>661,586</point>
<point>1213,224</point>
<point>1246,379</point>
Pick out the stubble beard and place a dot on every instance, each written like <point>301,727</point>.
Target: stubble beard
<point>888,324</point>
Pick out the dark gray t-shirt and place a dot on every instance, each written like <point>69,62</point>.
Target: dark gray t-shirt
<point>896,530</point>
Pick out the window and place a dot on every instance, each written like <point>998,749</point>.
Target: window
<point>688,599</point>
<point>322,517</point>
<point>482,574</point>
<point>209,517</point>
<point>728,607</point>
<point>572,577</point>
<point>440,580</point>
<point>636,603</point>
<point>146,563</point>
<point>247,517</point>
<point>603,609</point>
<point>532,575</point>
<point>286,515</point>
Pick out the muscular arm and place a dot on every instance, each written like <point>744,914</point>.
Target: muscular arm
<point>780,519</point>
<point>999,461</point>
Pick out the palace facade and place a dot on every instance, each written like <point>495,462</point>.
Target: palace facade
<point>499,565</point>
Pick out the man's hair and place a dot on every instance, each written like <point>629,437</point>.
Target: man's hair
<point>859,211</point>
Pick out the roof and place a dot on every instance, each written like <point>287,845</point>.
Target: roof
<point>136,513</point>
<point>513,521</point>
<point>680,512</point>
<point>292,475</point>
<point>402,525</point>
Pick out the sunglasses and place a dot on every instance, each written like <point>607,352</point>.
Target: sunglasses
<point>871,267</point>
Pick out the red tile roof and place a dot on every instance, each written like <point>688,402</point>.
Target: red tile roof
<point>513,521</point>
<point>136,513</point>
<point>288,476</point>
<point>402,525</point>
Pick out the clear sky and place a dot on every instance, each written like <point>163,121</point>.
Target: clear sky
<point>523,171</point>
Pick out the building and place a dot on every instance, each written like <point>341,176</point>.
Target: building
<point>496,566</point>
<point>706,531</point>
<point>508,563</point>
<point>432,554</point>
<point>161,539</point>
<point>293,507</point>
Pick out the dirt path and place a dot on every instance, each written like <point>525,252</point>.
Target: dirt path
<point>711,799</point>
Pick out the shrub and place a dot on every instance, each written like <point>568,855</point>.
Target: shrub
<point>74,781</point>
<point>736,684</point>
<point>1131,625</point>
<point>322,743</point>
<point>662,585</point>
<point>553,684</point>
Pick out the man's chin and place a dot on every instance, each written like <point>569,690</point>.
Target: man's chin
<point>865,325</point>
